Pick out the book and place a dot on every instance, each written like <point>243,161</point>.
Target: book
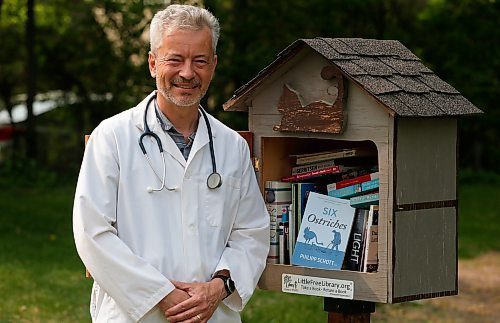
<point>356,189</point>
<point>352,181</point>
<point>370,261</point>
<point>283,237</point>
<point>337,169</point>
<point>311,167</point>
<point>303,159</point>
<point>300,194</point>
<point>356,246</point>
<point>364,201</point>
<point>324,232</point>
<point>277,195</point>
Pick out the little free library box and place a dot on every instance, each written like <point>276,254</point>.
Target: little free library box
<point>327,94</point>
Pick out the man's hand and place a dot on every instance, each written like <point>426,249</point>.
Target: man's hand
<point>203,301</point>
<point>175,297</point>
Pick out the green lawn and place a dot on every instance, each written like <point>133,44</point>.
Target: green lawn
<point>43,278</point>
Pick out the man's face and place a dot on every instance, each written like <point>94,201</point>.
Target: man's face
<point>184,66</point>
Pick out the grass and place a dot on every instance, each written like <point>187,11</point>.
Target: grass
<point>43,278</point>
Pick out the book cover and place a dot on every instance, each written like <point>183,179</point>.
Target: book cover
<point>352,181</point>
<point>355,189</point>
<point>324,232</point>
<point>370,262</point>
<point>303,159</point>
<point>302,191</point>
<point>356,246</point>
<point>311,167</point>
<point>277,195</point>
<point>364,201</point>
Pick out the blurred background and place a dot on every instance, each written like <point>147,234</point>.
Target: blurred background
<point>67,65</point>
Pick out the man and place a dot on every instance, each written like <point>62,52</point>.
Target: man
<point>181,235</point>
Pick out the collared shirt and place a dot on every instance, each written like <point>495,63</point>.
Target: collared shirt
<point>178,138</point>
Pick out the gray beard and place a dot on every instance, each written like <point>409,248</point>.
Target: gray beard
<point>183,102</point>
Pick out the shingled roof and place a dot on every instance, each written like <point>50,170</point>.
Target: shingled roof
<point>386,69</point>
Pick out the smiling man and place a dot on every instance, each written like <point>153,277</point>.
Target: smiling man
<point>168,217</point>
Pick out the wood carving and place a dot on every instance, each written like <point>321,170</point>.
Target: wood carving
<point>317,116</point>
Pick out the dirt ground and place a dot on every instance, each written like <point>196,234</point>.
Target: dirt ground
<point>478,299</point>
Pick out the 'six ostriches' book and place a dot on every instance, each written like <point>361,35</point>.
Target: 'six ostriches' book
<point>324,232</point>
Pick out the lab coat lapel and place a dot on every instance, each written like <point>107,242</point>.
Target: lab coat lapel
<point>200,140</point>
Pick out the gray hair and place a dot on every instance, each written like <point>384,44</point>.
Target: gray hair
<point>183,17</point>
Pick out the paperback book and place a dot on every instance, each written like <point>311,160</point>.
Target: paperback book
<point>364,201</point>
<point>352,181</point>
<point>300,194</point>
<point>337,169</point>
<point>355,189</point>
<point>356,246</point>
<point>303,159</point>
<point>324,232</point>
<point>370,262</point>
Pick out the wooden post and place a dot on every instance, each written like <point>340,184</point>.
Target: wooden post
<point>348,311</point>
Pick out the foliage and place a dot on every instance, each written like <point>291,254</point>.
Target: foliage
<point>457,41</point>
<point>100,47</point>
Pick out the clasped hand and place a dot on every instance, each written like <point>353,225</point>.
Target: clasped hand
<point>192,302</point>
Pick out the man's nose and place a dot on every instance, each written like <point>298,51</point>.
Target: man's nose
<point>187,70</point>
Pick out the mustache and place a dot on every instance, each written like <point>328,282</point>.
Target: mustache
<point>182,81</point>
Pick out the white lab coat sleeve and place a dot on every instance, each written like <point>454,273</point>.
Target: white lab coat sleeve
<point>248,245</point>
<point>134,284</point>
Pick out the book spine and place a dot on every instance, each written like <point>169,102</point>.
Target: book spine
<point>355,247</point>
<point>346,191</point>
<point>315,173</point>
<point>333,155</point>
<point>370,261</point>
<point>364,200</point>
<point>370,185</point>
<point>352,181</point>
<point>307,168</point>
<point>355,189</point>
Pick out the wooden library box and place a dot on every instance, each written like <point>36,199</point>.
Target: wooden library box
<point>326,94</point>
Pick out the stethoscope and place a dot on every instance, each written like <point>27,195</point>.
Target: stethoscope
<point>214,180</point>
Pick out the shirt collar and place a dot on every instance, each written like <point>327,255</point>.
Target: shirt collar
<point>167,125</point>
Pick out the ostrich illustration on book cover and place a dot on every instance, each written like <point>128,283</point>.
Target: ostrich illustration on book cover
<point>324,232</point>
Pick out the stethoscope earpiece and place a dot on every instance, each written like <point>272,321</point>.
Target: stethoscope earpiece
<point>214,180</point>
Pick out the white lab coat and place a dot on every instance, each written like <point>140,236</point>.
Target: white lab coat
<point>133,242</point>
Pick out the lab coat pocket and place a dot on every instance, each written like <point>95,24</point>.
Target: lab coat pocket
<point>221,204</point>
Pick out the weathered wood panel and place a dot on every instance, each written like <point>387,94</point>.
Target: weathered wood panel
<point>425,253</point>
<point>426,160</point>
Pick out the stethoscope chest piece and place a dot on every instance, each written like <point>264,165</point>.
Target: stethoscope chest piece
<point>214,181</point>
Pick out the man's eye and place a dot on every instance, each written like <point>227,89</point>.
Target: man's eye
<point>201,62</point>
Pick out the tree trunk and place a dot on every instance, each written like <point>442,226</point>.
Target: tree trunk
<point>30,81</point>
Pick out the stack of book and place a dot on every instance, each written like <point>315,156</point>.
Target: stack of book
<point>331,218</point>
<point>362,191</point>
<point>326,165</point>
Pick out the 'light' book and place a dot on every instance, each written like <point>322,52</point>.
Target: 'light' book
<point>324,232</point>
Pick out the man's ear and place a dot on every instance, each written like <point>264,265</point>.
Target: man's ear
<point>152,64</point>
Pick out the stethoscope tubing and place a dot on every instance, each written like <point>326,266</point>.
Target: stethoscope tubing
<point>214,180</point>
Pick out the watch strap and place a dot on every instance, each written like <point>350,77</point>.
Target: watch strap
<point>228,283</point>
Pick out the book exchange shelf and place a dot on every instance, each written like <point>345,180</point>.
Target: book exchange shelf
<point>276,164</point>
<point>334,93</point>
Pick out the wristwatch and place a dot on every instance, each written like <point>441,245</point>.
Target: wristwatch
<point>228,283</point>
